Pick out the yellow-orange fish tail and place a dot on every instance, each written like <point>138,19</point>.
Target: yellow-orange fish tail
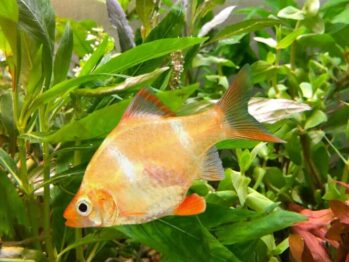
<point>238,123</point>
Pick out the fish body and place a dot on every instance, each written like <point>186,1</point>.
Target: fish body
<point>145,166</point>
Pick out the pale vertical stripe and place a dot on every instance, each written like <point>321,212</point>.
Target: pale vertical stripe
<point>184,137</point>
<point>123,162</point>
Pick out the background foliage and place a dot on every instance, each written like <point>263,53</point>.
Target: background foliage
<point>65,85</point>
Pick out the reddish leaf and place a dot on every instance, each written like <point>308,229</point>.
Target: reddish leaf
<point>315,246</point>
<point>340,210</point>
<point>296,244</point>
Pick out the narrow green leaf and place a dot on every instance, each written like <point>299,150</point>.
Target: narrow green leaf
<point>244,27</point>
<point>257,227</point>
<point>63,88</point>
<point>98,236</point>
<point>290,38</point>
<point>9,164</point>
<point>96,56</point>
<point>101,122</point>
<point>63,55</point>
<point>129,82</point>
<point>146,52</point>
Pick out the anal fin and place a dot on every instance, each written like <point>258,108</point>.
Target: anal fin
<point>212,166</point>
<point>191,205</point>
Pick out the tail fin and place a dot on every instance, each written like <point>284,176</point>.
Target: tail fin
<point>234,105</point>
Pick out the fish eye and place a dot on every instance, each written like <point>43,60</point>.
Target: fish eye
<point>83,207</point>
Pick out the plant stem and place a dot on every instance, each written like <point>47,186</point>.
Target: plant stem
<point>46,170</point>
<point>78,250</point>
<point>309,163</point>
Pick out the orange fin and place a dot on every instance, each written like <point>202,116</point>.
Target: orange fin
<point>191,205</point>
<point>146,104</point>
<point>240,124</point>
<point>212,166</point>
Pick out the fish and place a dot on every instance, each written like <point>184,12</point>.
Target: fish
<point>145,166</point>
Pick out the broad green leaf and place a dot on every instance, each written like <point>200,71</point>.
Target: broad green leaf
<point>63,55</point>
<point>12,209</point>
<point>316,118</point>
<point>144,9</point>
<point>341,18</point>
<point>257,201</point>
<point>172,25</point>
<point>244,27</point>
<point>9,165</point>
<point>146,52</point>
<point>325,42</point>
<point>36,19</point>
<point>180,239</point>
<point>290,38</point>
<point>291,12</point>
<point>9,10</point>
<point>244,159</point>
<point>294,149</point>
<point>257,227</point>
<point>118,19</point>
<point>99,123</point>
<point>130,82</point>
<point>96,56</point>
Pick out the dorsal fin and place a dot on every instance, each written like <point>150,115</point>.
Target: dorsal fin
<point>146,104</point>
<point>212,166</point>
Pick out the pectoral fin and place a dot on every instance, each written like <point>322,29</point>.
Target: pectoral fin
<point>191,205</point>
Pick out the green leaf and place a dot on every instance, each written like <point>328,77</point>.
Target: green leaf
<point>290,38</point>
<point>291,12</point>
<point>324,42</point>
<point>63,55</point>
<point>9,10</point>
<point>244,27</point>
<point>62,89</point>
<point>130,82</point>
<point>96,56</point>
<point>180,239</point>
<point>12,208</point>
<point>9,164</point>
<point>101,122</point>
<point>171,25</point>
<point>146,52</point>
<point>105,234</point>
<point>257,227</point>
<point>315,119</point>
<point>36,18</point>
<point>144,9</point>
<point>342,17</point>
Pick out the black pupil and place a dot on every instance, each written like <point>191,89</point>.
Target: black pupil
<point>83,207</point>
